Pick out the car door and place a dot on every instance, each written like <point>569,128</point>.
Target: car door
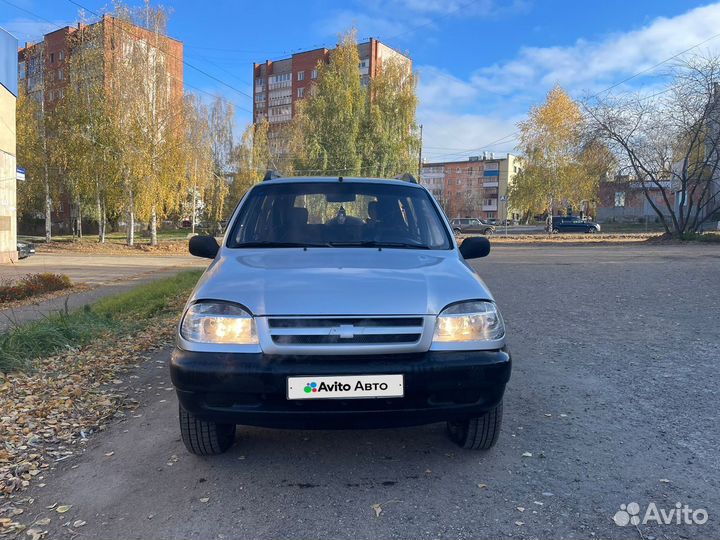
<point>475,226</point>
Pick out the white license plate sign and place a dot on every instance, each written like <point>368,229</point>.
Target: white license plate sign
<point>345,386</point>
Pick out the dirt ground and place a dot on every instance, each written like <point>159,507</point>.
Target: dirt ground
<point>613,400</point>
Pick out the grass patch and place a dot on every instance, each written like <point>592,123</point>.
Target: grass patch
<point>33,285</point>
<point>115,314</point>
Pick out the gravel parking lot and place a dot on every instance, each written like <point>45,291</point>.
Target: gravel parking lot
<point>613,400</point>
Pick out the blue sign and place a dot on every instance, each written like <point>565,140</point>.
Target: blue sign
<point>496,172</point>
<point>20,174</point>
<point>9,62</point>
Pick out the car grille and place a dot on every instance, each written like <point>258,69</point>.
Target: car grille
<point>345,330</point>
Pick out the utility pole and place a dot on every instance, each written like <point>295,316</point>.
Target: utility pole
<point>420,155</point>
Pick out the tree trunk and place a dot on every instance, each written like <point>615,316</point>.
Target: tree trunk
<point>131,221</point>
<point>48,210</point>
<point>78,220</point>
<point>153,227</point>
<point>98,203</point>
<point>103,223</point>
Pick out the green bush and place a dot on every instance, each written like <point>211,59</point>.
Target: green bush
<point>34,285</point>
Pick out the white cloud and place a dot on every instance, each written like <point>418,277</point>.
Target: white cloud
<point>29,29</point>
<point>470,113</point>
<point>594,64</point>
<point>393,18</point>
<point>443,90</point>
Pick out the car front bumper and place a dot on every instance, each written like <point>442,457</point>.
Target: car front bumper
<point>251,389</point>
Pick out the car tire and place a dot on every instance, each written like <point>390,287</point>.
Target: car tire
<point>204,438</point>
<point>457,230</point>
<point>592,230</point>
<point>555,231</point>
<point>479,433</point>
<point>489,232</point>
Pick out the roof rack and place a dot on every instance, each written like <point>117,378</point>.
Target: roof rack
<point>406,177</point>
<point>271,175</point>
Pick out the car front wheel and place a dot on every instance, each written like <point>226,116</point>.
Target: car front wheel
<point>479,433</point>
<point>204,438</point>
<point>457,230</point>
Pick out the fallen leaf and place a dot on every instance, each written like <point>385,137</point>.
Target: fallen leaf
<point>204,499</point>
<point>548,415</point>
<point>562,415</point>
<point>377,509</point>
<point>519,523</point>
<point>482,486</point>
<point>664,480</point>
<point>43,521</point>
<point>109,454</point>
<point>79,523</point>
<point>53,505</point>
<point>527,454</point>
<point>36,534</point>
<point>63,508</point>
<point>521,509</point>
<point>538,503</point>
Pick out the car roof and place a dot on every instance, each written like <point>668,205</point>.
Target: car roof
<point>331,179</point>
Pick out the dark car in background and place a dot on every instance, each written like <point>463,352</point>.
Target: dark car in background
<point>573,224</point>
<point>25,249</point>
<point>471,226</point>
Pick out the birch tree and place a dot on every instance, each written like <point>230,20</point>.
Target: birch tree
<point>327,123</point>
<point>671,142</point>
<point>563,164</point>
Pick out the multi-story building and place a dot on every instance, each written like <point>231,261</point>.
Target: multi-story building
<point>8,165</point>
<point>622,198</point>
<point>42,69</point>
<point>280,84</point>
<point>476,187</point>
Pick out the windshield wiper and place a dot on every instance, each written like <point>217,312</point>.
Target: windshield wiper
<point>380,244</point>
<point>279,245</point>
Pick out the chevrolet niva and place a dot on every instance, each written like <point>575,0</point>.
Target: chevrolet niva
<point>339,303</point>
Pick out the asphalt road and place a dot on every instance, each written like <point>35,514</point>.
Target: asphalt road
<point>96,269</point>
<point>614,393</point>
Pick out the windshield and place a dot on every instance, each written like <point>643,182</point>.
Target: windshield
<point>339,214</point>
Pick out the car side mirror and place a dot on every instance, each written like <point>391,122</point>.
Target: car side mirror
<point>475,247</point>
<point>204,246</point>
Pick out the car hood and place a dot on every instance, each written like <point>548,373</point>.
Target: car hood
<point>340,281</point>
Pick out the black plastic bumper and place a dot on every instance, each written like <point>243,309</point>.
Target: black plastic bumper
<point>251,389</point>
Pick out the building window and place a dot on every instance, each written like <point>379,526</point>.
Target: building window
<point>619,199</point>
<point>61,55</point>
<point>313,74</point>
<point>60,75</point>
<point>52,57</point>
<point>301,92</point>
<point>301,76</point>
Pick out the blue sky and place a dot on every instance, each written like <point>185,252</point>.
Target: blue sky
<point>481,63</point>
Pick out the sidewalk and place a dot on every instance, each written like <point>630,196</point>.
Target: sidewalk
<point>74,300</point>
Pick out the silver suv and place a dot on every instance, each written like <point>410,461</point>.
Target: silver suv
<point>339,303</point>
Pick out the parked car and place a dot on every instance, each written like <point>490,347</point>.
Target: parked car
<point>573,224</point>
<point>471,226</point>
<point>25,249</point>
<point>339,303</point>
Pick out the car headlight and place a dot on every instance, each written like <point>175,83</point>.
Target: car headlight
<point>469,321</point>
<point>218,322</point>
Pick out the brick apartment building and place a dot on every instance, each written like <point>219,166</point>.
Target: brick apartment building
<point>43,72</point>
<point>8,171</point>
<point>278,85</point>
<point>621,199</point>
<point>474,187</point>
